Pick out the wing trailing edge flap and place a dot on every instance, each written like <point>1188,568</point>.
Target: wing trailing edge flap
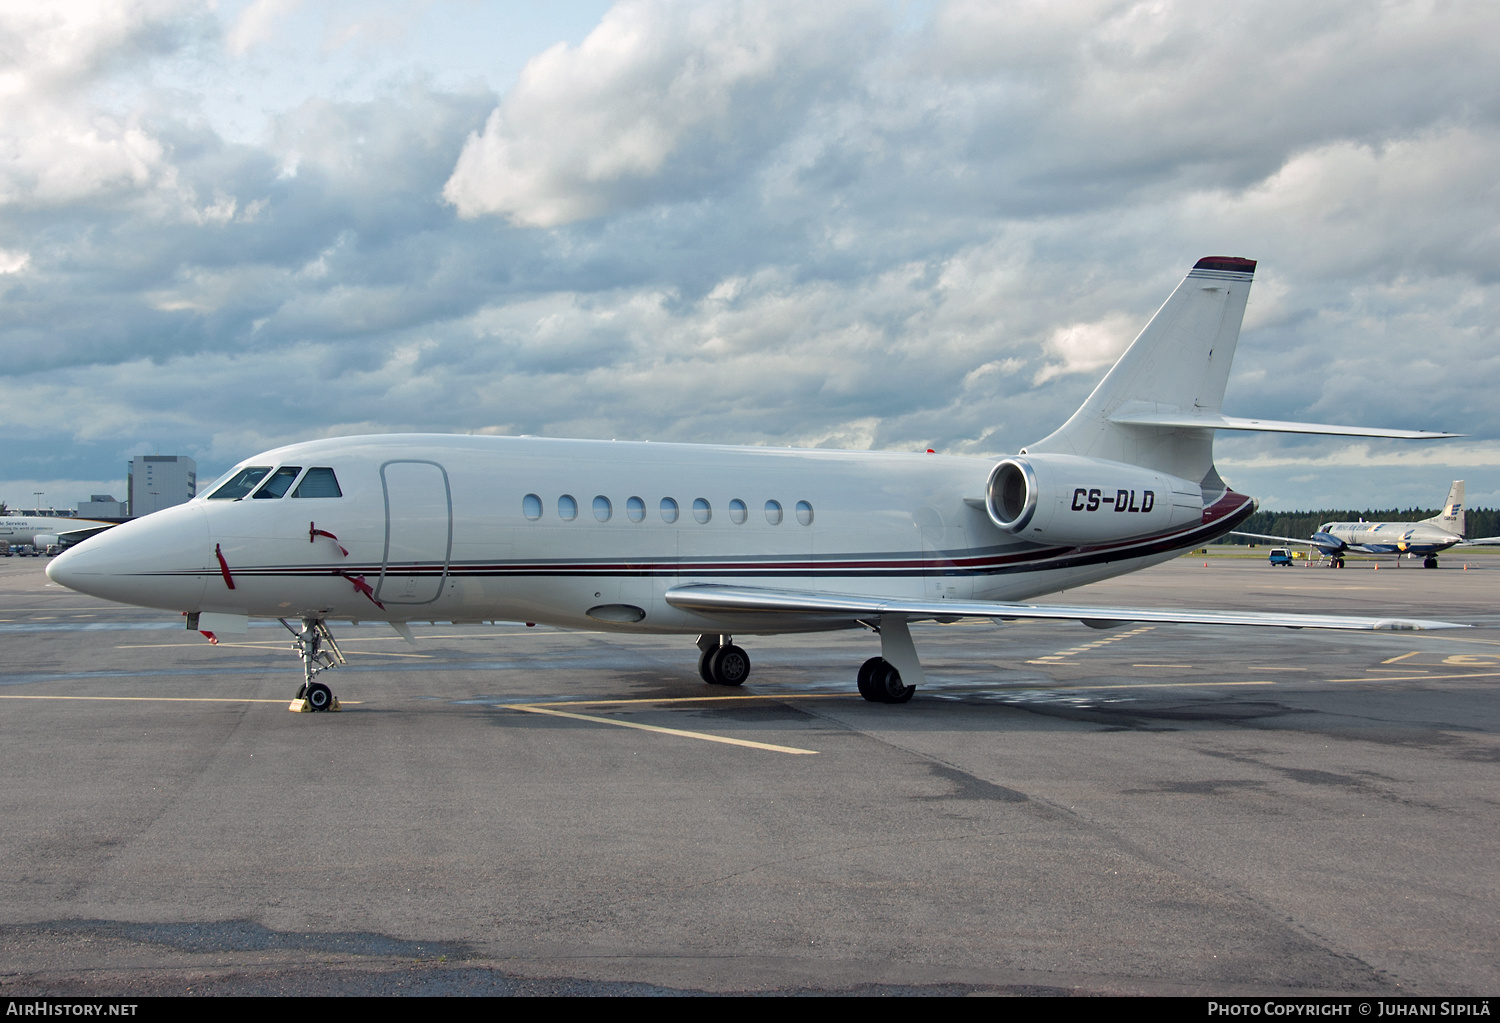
<point>1192,421</point>
<point>712,601</point>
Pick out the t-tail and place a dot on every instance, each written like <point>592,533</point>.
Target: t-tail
<point>1451,517</point>
<point>1149,428</point>
<point>1158,407</point>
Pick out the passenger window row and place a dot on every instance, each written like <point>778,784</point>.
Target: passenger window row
<point>635,510</point>
<point>318,481</point>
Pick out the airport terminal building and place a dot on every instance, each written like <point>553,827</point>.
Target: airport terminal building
<point>160,481</point>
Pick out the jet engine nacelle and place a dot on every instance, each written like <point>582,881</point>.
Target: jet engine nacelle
<point>1070,499</point>
<point>44,540</point>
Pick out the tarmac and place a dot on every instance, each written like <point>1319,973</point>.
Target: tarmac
<point>512,810</point>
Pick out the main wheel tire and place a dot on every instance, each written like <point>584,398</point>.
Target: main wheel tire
<point>895,691</point>
<point>1430,563</point>
<point>730,666</point>
<point>319,696</point>
<point>866,679</point>
<point>705,672</point>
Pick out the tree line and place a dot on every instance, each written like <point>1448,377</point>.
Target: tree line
<point>1477,521</point>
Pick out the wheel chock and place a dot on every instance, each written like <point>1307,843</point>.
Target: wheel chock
<point>300,706</point>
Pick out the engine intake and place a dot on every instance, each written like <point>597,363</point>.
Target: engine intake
<point>1071,499</point>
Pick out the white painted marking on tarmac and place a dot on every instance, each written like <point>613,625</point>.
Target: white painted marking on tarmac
<point>533,709</point>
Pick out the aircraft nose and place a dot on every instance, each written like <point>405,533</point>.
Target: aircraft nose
<point>155,561</point>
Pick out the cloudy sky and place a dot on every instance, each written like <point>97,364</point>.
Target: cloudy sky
<point>855,224</point>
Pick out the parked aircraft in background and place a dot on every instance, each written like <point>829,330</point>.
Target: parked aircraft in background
<point>1426,538</point>
<point>717,541</point>
<point>44,531</point>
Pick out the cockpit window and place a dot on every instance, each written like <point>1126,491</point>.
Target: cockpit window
<point>280,482</point>
<point>240,484</point>
<point>319,482</point>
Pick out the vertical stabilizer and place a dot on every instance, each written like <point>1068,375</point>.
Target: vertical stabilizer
<point>1451,517</point>
<point>1178,365</point>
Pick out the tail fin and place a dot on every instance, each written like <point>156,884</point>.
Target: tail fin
<point>1178,366</point>
<point>1451,517</point>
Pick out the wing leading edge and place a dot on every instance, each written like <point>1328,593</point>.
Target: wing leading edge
<point>742,602</point>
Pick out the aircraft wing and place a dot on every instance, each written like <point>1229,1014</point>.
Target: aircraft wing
<point>751,602</point>
<point>73,536</point>
<point>1279,539</point>
<point>78,536</point>
<point>1479,541</point>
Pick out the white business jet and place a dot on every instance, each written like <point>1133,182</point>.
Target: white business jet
<point>718,541</point>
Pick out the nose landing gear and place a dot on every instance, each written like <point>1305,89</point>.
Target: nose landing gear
<point>319,652</point>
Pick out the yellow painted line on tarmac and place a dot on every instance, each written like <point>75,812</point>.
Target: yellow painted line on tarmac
<point>166,699</point>
<point>1267,667</point>
<point>1402,657</point>
<point>1159,685</point>
<point>533,709</point>
<point>1420,678</point>
<point>205,645</point>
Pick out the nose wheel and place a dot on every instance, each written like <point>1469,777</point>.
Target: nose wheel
<point>319,652</point>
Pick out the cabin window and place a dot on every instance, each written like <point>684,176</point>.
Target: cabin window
<point>240,484</point>
<point>701,510</point>
<point>531,507</point>
<point>804,513</point>
<point>668,510</point>
<point>280,482</point>
<point>773,512</point>
<point>635,509</point>
<point>567,507</point>
<point>602,508</point>
<point>737,513</point>
<point>319,482</point>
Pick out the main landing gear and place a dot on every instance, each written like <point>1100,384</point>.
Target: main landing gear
<point>316,646</point>
<point>892,677</point>
<point>1430,562</point>
<point>721,663</point>
<point>880,682</point>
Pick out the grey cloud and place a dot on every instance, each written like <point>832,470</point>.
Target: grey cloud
<point>661,100</point>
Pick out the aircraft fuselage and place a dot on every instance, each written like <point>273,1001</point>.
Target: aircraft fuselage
<point>1390,537</point>
<point>591,534</point>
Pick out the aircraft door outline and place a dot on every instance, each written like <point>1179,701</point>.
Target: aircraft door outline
<point>413,587</point>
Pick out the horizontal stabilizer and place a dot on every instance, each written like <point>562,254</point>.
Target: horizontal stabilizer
<point>742,601</point>
<point>1188,420</point>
